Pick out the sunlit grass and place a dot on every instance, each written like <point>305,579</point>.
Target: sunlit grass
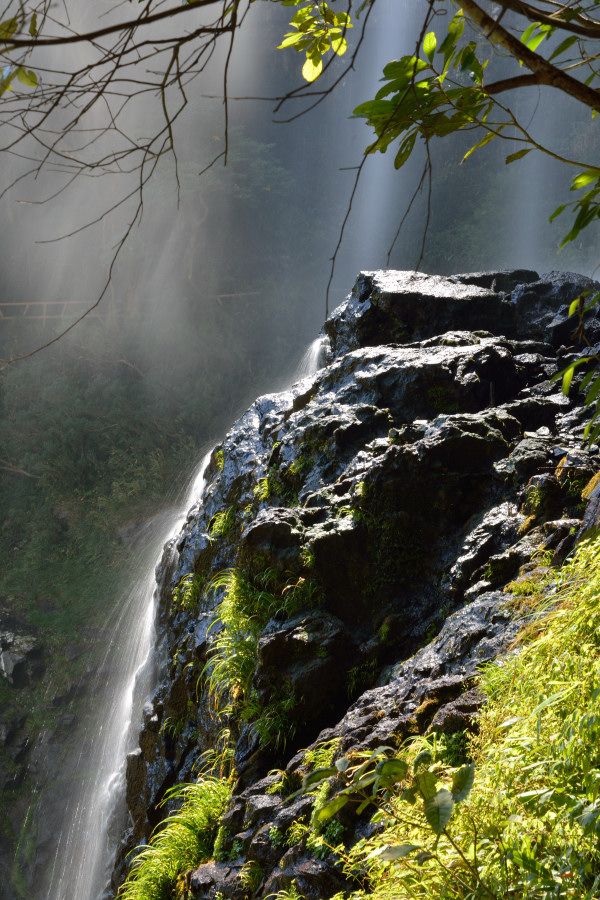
<point>530,826</point>
<point>183,841</point>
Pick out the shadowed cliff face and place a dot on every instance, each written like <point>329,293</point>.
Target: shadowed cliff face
<point>368,519</point>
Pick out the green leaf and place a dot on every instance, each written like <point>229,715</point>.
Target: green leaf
<point>513,157</point>
<point>535,41</point>
<point>512,721</point>
<point>590,814</point>
<point>438,810</point>
<point>585,178</point>
<point>392,769</point>
<point>404,69</point>
<point>328,809</point>
<point>529,864</point>
<point>567,379</point>
<point>424,758</point>
<point>318,776</point>
<point>593,391</point>
<point>559,209</point>
<point>429,45</point>
<point>406,148</point>
<point>390,852</point>
<point>591,433</point>
<point>339,45</point>
<point>312,69</point>
<point>489,136</point>
<point>564,45</point>
<point>27,76</point>
<point>366,781</point>
<point>8,28</point>
<point>427,784</point>
<point>586,380</point>
<point>290,39</point>
<point>574,306</point>
<point>33,25</point>
<point>573,365</point>
<point>342,764</point>
<point>528,32</point>
<point>463,782</point>
<point>409,795</point>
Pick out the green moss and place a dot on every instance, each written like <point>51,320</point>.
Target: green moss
<point>440,401</point>
<point>219,458</point>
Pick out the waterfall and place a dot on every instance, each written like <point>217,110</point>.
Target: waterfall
<point>85,849</point>
<point>313,358</point>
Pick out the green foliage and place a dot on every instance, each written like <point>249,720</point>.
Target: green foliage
<point>590,383</point>
<point>523,818</point>
<point>232,661</point>
<point>359,678</point>
<point>276,836</point>
<point>321,756</point>
<point>222,522</point>
<point>318,30</point>
<point>251,875</point>
<point>242,613</point>
<point>184,840</point>
<point>219,851</point>
<point>273,722</point>
<point>420,99</point>
<point>188,593</point>
<point>447,86</point>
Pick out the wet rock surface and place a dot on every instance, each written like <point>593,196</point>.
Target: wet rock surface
<point>374,513</point>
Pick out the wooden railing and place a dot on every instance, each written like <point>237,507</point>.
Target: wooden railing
<point>57,309</point>
<point>43,309</point>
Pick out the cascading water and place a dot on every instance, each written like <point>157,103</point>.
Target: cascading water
<point>83,859</point>
<point>85,851</point>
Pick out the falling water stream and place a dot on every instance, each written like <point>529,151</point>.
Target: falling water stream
<point>85,849</point>
<point>84,855</point>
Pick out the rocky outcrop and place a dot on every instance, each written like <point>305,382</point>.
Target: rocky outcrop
<point>369,520</point>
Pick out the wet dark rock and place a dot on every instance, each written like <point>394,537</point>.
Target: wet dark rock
<point>21,658</point>
<point>314,878</point>
<point>377,510</point>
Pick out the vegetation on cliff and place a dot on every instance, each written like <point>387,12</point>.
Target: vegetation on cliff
<point>527,825</point>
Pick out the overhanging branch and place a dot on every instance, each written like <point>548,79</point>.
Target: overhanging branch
<point>546,73</point>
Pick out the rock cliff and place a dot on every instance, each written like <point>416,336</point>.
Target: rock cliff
<point>344,573</point>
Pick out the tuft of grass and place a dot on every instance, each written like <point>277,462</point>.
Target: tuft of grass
<point>183,841</point>
<point>246,607</point>
<point>222,523</point>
